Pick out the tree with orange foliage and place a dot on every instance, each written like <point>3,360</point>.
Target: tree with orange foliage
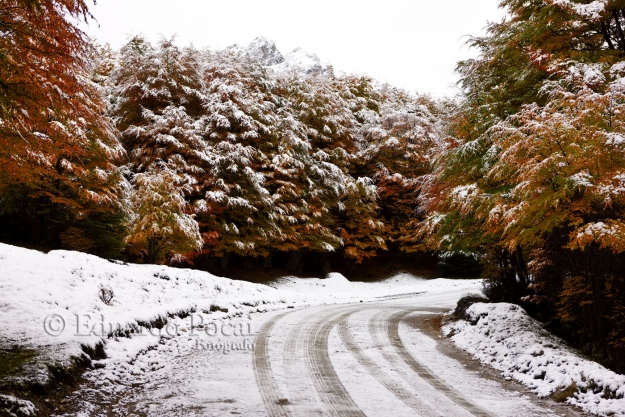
<point>532,174</point>
<point>401,142</point>
<point>161,227</point>
<point>58,151</point>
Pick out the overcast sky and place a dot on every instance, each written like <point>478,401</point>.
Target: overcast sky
<point>409,43</point>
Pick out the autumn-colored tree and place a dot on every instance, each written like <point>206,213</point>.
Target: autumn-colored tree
<point>531,172</point>
<point>517,58</point>
<point>564,164</point>
<point>241,127</point>
<point>161,227</point>
<point>59,152</point>
<point>360,227</point>
<point>157,102</point>
<point>325,113</point>
<point>157,95</point>
<point>309,198</point>
<point>104,60</point>
<point>304,187</point>
<point>401,144</point>
<point>516,53</point>
<point>332,110</point>
<point>270,162</point>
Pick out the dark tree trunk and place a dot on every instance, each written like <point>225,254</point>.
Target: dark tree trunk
<point>268,260</point>
<point>605,31</point>
<point>224,260</point>
<point>521,267</point>
<point>619,30</point>
<point>154,249</point>
<point>294,263</point>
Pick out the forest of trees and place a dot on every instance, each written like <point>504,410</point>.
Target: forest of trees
<point>170,154</point>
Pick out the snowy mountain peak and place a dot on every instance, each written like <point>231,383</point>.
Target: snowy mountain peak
<point>304,60</point>
<point>264,51</point>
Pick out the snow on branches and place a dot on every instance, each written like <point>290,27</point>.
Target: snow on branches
<point>160,225</point>
<point>270,161</point>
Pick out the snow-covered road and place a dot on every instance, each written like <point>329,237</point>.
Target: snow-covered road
<point>341,360</point>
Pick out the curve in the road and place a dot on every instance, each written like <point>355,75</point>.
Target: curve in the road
<point>422,370</point>
<point>308,342</point>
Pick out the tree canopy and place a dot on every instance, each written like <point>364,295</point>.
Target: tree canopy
<point>530,176</point>
<point>60,154</point>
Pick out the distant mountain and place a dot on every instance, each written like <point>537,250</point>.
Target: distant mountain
<point>265,52</point>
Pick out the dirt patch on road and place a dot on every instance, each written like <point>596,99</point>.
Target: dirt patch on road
<point>431,325</point>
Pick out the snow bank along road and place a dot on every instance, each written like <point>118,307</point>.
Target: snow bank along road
<point>358,359</point>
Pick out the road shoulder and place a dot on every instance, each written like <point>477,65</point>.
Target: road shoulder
<point>430,324</point>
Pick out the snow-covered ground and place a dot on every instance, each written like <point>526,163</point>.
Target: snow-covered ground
<point>503,336</point>
<point>181,377</point>
<point>56,303</point>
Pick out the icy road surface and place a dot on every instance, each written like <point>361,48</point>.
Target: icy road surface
<point>359,359</point>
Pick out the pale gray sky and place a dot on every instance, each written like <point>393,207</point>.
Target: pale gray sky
<point>409,43</point>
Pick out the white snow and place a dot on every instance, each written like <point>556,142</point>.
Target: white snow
<point>462,192</point>
<point>488,394</point>
<point>14,407</point>
<point>265,52</point>
<point>614,138</point>
<point>51,302</point>
<point>177,378</point>
<point>260,49</point>
<point>582,179</point>
<point>592,10</point>
<point>302,60</point>
<point>337,288</point>
<point>159,362</point>
<point>503,336</point>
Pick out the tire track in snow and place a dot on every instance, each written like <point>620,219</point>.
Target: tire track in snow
<point>392,332</point>
<point>262,370</point>
<point>303,399</point>
<point>378,329</point>
<point>409,398</point>
<point>327,383</point>
<point>307,343</point>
